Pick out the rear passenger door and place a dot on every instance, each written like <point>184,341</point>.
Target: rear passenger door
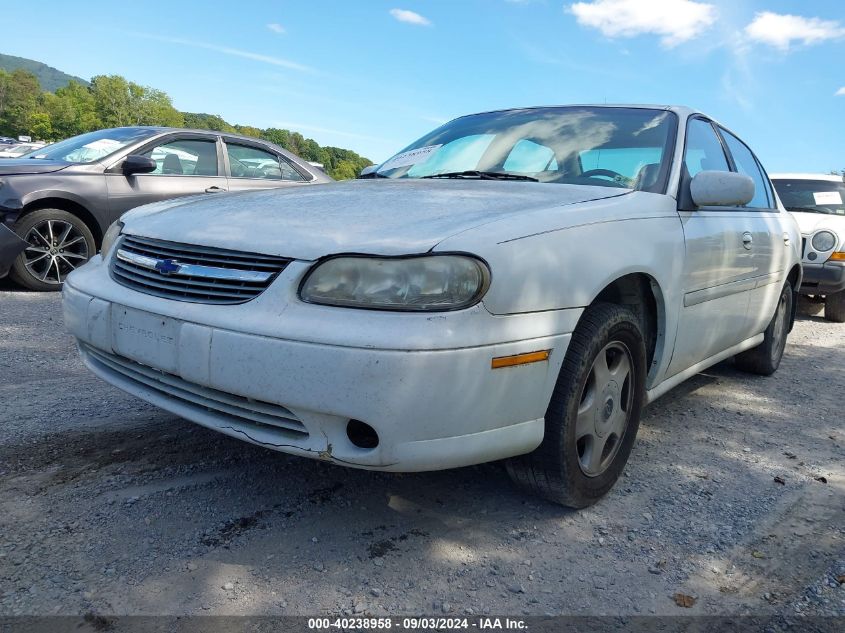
<point>718,271</point>
<point>769,247</point>
<point>186,164</point>
<point>252,166</point>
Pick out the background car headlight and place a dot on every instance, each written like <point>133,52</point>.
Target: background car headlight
<point>824,241</point>
<point>110,238</point>
<point>419,283</point>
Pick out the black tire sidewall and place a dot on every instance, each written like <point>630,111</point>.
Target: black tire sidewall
<point>622,327</point>
<point>787,294</point>
<point>19,272</point>
<point>834,307</point>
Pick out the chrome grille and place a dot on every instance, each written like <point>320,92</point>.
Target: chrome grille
<point>199,274</point>
<point>226,407</point>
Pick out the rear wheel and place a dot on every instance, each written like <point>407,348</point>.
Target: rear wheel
<point>765,358</point>
<point>59,242</point>
<point>594,413</point>
<point>834,307</point>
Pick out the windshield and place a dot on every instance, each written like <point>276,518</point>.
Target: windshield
<point>812,196</point>
<point>87,148</point>
<point>606,146</point>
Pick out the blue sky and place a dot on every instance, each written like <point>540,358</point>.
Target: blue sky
<point>374,75</point>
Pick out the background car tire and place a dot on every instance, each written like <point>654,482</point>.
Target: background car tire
<point>834,307</point>
<point>61,255</point>
<point>765,358</point>
<point>554,470</point>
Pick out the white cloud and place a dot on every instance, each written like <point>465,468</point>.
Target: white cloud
<point>781,31</point>
<point>234,52</point>
<point>840,92</point>
<point>403,15</point>
<point>277,28</point>
<point>676,21</point>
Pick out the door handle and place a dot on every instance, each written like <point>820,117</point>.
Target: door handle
<point>747,240</point>
<point>214,189</point>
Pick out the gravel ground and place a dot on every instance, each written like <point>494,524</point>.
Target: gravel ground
<point>108,505</point>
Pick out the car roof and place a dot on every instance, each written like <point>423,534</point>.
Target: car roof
<point>679,109</point>
<point>798,176</point>
<point>155,129</point>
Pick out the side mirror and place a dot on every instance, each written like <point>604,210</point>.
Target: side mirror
<point>721,189</point>
<point>134,164</point>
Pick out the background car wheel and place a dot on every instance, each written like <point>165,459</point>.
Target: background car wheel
<point>594,413</point>
<point>834,307</point>
<point>765,358</point>
<point>58,243</point>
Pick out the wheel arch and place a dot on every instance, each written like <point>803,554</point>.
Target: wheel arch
<point>642,293</point>
<point>66,204</point>
<point>794,279</point>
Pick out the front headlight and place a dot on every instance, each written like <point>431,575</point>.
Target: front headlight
<point>110,238</point>
<point>824,241</point>
<point>417,283</point>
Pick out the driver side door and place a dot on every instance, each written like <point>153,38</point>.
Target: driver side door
<point>186,164</point>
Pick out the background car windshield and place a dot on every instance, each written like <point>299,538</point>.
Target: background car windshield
<point>87,148</point>
<point>615,147</point>
<point>814,196</point>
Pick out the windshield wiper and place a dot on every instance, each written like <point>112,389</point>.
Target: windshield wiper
<point>483,175</point>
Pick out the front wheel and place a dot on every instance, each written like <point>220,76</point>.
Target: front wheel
<point>765,358</point>
<point>58,243</point>
<point>834,307</point>
<point>594,413</point>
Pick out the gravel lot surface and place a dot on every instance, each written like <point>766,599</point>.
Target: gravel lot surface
<point>734,495</point>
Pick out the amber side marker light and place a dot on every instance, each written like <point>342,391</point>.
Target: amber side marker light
<point>520,359</point>
<point>838,257</point>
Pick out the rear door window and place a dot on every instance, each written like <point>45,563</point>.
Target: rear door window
<point>251,162</point>
<point>747,164</point>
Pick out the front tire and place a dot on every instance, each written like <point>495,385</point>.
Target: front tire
<point>594,413</point>
<point>834,307</point>
<point>59,242</point>
<point>765,358</point>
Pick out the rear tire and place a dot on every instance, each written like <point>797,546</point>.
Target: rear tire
<point>765,358</point>
<point>594,413</point>
<point>58,241</point>
<point>834,307</point>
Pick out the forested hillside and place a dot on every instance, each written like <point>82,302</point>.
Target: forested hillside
<point>113,101</point>
<point>51,79</point>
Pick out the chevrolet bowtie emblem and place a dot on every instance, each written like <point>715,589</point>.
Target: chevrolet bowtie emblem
<point>168,266</point>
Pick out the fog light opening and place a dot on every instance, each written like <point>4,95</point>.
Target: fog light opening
<point>361,434</point>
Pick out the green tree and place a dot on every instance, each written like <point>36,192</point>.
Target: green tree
<point>19,93</point>
<point>202,121</point>
<point>72,110</point>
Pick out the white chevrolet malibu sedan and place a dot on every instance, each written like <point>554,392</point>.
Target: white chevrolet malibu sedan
<point>516,284</point>
<point>817,202</point>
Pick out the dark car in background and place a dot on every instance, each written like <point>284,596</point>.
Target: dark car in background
<point>61,199</point>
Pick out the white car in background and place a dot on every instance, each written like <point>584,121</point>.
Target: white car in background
<point>18,150</point>
<point>817,202</point>
<point>515,284</point>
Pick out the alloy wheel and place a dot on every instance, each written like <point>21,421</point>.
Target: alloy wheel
<point>779,328</point>
<point>56,248</point>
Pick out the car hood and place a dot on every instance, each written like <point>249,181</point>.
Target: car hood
<point>812,222</point>
<point>363,216</point>
<point>14,166</point>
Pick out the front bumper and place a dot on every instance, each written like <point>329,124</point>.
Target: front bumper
<point>254,371</point>
<point>823,279</point>
<point>10,247</point>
